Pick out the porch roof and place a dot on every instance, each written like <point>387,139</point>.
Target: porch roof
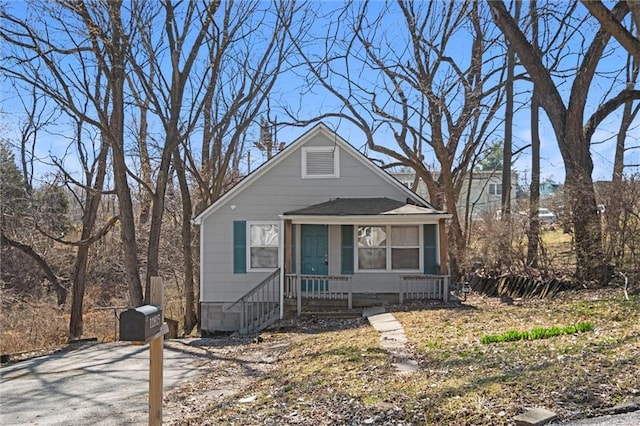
<point>363,208</point>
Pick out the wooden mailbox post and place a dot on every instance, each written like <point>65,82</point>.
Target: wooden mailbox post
<point>156,357</point>
<point>143,325</point>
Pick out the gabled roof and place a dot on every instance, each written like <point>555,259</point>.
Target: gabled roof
<point>282,155</point>
<point>362,207</point>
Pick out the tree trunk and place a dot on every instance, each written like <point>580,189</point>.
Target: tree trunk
<point>157,214</point>
<point>190,318</point>
<point>115,136</point>
<point>456,235</point>
<point>76,323</point>
<point>584,215</point>
<point>92,204</point>
<point>145,159</point>
<point>534,188</point>
<point>508,130</point>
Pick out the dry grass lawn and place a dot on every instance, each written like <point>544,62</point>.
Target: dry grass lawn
<point>343,376</point>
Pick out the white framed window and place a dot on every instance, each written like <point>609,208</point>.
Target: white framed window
<point>263,241</point>
<point>320,162</point>
<point>372,247</point>
<point>405,247</point>
<point>389,248</point>
<point>495,189</point>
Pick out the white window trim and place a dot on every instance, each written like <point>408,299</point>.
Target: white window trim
<point>495,187</point>
<point>336,161</point>
<point>248,244</point>
<point>388,248</point>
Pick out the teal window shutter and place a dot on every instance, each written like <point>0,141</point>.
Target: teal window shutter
<point>239,246</point>
<point>347,250</point>
<point>293,249</point>
<point>430,249</point>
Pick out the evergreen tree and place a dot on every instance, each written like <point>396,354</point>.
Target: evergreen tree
<point>492,158</point>
<point>13,196</point>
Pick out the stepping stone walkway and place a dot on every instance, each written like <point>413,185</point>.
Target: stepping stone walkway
<point>392,338</point>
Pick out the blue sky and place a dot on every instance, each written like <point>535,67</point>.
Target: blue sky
<point>552,165</point>
<point>292,89</point>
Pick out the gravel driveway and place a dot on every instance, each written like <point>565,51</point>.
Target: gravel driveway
<point>97,384</point>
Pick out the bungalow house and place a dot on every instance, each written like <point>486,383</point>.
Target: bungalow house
<point>317,221</point>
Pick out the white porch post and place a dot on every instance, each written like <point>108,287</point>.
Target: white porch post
<point>281,264</point>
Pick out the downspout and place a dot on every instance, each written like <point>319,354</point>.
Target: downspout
<point>201,264</point>
<point>200,223</point>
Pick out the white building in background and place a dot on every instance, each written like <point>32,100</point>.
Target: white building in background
<point>483,189</point>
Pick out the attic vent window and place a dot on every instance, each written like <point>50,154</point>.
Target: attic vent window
<point>320,162</point>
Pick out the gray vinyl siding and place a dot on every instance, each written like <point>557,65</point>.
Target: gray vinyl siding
<point>281,189</point>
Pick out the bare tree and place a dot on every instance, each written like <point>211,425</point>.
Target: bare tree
<point>91,189</point>
<point>17,213</point>
<point>185,33</point>
<point>245,60</point>
<point>567,122</point>
<point>617,207</point>
<point>78,44</point>
<point>245,67</point>
<point>37,117</point>
<point>412,83</point>
<point>213,65</point>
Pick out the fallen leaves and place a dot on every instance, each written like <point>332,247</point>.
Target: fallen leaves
<point>323,373</point>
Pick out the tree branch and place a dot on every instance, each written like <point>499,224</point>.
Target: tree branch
<point>607,108</point>
<point>104,231</point>
<point>61,292</point>
<point>610,24</point>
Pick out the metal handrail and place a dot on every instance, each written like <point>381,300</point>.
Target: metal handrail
<point>259,307</point>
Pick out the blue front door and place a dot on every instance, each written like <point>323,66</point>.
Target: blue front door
<point>314,259</point>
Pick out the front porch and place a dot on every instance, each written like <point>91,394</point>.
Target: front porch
<point>328,296</point>
<point>305,289</point>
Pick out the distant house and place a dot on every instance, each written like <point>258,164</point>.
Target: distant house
<point>548,187</point>
<point>483,187</point>
<point>317,221</point>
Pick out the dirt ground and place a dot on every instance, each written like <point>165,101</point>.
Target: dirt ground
<point>235,363</point>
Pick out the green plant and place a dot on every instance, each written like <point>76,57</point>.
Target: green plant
<point>585,326</point>
<point>536,333</point>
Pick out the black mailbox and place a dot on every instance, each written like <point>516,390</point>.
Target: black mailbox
<point>140,324</point>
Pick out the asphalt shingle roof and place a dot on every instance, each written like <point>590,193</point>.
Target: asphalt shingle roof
<point>361,207</point>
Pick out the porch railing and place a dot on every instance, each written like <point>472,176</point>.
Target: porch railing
<point>260,307</point>
<point>318,287</point>
<point>424,287</point>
